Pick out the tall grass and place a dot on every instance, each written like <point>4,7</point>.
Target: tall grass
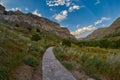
<point>17,48</point>
<point>3,73</point>
<point>13,48</point>
<point>31,60</point>
<point>92,60</point>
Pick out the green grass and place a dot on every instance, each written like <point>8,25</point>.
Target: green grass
<point>31,60</point>
<point>3,73</point>
<point>16,47</point>
<point>12,50</point>
<point>69,66</point>
<point>96,62</point>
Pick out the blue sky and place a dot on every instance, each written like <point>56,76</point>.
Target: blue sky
<point>81,17</point>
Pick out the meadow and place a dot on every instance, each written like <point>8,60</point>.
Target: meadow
<point>19,46</point>
<point>98,63</point>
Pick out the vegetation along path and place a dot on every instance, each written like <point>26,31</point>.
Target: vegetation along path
<point>53,69</point>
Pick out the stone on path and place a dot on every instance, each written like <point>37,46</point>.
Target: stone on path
<point>53,69</point>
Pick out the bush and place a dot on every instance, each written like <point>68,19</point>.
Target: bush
<point>38,30</point>
<point>69,66</point>
<point>35,37</point>
<point>3,73</point>
<point>95,62</point>
<point>103,43</point>
<point>35,54</point>
<point>16,25</point>
<point>29,28</point>
<point>66,42</point>
<point>3,51</point>
<point>30,60</point>
<point>34,48</point>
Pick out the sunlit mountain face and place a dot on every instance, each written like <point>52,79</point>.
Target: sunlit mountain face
<point>81,17</point>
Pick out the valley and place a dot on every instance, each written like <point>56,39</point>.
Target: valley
<point>25,37</point>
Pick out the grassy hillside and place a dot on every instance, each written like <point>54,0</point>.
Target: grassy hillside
<point>113,43</point>
<point>99,63</point>
<point>22,45</point>
<point>107,32</point>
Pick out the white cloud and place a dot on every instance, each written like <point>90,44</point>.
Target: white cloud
<point>26,9</point>
<point>14,9</point>
<point>74,7</point>
<point>35,12</point>
<point>61,16</point>
<point>84,31</point>
<point>101,20</point>
<point>2,3</point>
<point>77,26</point>
<point>97,2</point>
<point>51,9</point>
<point>58,2</point>
<point>68,2</point>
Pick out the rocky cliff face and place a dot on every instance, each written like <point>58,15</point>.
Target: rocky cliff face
<point>36,21</point>
<point>2,9</point>
<point>112,31</point>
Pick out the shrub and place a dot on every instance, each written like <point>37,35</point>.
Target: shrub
<point>103,43</point>
<point>66,42</point>
<point>29,28</point>
<point>42,49</point>
<point>37,30</point>
<point>69,66</point>
<point>35,54</point>
<point>3,51</point>
<point>96,62</point>
<point>35,37</point>
<point>16,25</point>
<point>34,48</point>
<point>3,73</point>
<point>60,50</point>
<point>30,60</point>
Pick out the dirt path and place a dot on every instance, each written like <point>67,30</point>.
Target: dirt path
<point>53,69</point>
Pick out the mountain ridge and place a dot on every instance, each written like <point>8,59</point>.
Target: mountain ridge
<point>107,32</point>
<point>34,20</point>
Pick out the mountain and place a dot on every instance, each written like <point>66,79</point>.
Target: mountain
<point>33,20</point>
<point>108,32</point>
<point>23,41</point>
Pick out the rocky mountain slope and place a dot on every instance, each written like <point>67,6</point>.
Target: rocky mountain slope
<point>23,40</point>
<point>33,20</point>
<point>108,32</point>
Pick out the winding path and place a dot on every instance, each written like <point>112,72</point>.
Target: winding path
<point>53,69</point>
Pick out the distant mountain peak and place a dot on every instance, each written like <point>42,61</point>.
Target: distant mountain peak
<point>112,31</point>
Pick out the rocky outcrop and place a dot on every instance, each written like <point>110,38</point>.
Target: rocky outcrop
<point>2,9</point>
<point>36,21</point>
